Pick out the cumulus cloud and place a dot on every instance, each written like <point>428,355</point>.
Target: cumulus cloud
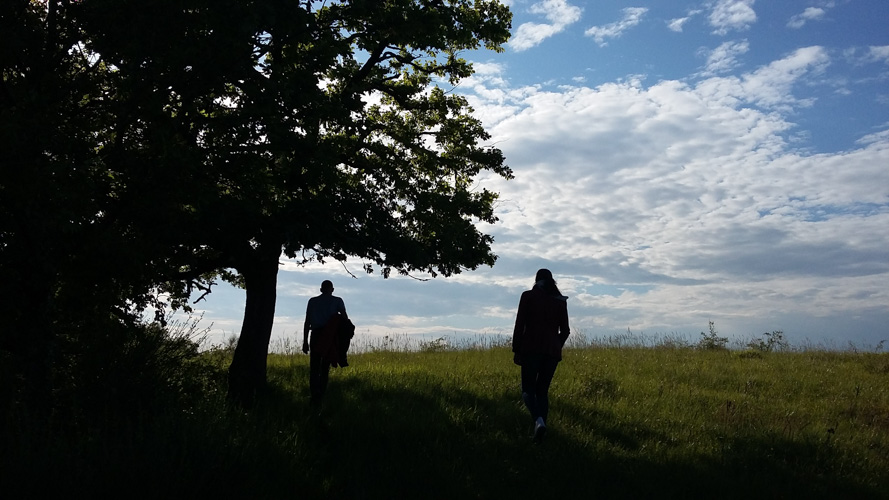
<point>632,17</point>
<point>810,14</point>
<point>559,13</point>
<point>731,15</point>
<point>693,200</point>
<point>659,207</point>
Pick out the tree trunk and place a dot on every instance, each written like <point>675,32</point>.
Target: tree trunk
<point>247,373</point>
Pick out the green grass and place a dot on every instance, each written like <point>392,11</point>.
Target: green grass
<point>624,423</point>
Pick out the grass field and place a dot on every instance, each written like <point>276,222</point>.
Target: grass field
<point>652,422</point>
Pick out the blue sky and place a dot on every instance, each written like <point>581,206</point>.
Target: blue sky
<point>676,163</point>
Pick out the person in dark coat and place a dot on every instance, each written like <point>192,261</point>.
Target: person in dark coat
<point>541,329</point>
<point>325,314</point>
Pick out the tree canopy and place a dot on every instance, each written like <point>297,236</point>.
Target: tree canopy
<point>313,126</point>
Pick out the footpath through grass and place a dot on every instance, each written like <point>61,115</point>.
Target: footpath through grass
<point>624,423</point>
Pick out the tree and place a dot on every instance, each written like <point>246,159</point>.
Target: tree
<point>245,128</point>
<point>71,267</point>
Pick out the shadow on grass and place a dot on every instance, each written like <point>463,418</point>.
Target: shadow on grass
<point>383,441</point>
<point>745,467</point>
<point>389,439</point>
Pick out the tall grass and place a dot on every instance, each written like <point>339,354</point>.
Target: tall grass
<point>656,421</point>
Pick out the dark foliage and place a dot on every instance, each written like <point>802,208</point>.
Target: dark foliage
<point>155,149</point>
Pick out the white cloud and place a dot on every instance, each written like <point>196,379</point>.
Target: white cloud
<point>880,137</point>
<point>559,13</point>
<point>878,54</point>
<point>810,14</point>
<point>732,15</point>
<point>678,23</point>
<point>723,59</point>
<point>770,86</point>
<point>632,17</point>
<point>861,56</point>
<point>694,200</point>
<point>532,34</point>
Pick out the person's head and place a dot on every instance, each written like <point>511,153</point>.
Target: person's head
<point>544,280</point>
<point>544,275</point>
<point>326,286</point>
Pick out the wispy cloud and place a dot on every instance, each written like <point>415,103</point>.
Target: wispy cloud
<point>559,13</point>
<point>677,24</point>
<point>632,17</point>
<point>878,54</point>
<point>770,86</point>
<point>810,14</point>
<point>867,55</point>
<point>723,59</point>
<point>731,15</point>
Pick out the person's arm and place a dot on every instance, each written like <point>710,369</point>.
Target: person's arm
<point>564,330</point>
<point>518,332</point>
<point>306,326</point>
<point>342,309</point>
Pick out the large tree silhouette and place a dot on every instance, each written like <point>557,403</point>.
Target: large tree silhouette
<point>316,128</point>
<point>169,141</point>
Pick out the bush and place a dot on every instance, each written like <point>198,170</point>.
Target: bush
<point>769,342</point>
<point>110,369</point>
<point>148,368</point>
<point>122,398</point>
<point>437,345</point>
<point>712,341</point>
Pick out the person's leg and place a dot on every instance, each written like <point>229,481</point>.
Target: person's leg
<point>323,376</point>
<point>530,367</point>
<point>315,377</point>
<point>545,373</point>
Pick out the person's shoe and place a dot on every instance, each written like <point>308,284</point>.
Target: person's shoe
<point>539,430</point>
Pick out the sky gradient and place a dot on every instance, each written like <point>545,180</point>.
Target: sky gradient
<point>675,164</point>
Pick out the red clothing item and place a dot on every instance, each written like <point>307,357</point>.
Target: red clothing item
<point>332,341</point>
<point>541,325</point>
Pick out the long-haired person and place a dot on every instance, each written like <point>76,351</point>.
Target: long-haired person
<point>541,329</point>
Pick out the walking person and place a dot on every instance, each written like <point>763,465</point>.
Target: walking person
<point>541,329</point>
<point>323,316</point>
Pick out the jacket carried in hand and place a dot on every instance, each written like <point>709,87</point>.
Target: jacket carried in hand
<point>332,342</point>
<point>541,325</point>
